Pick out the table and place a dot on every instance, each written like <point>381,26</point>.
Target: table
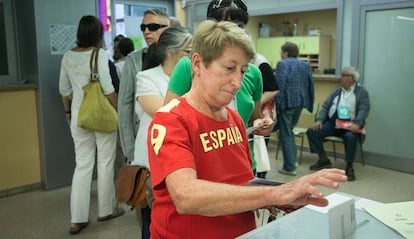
<point>305,223</point>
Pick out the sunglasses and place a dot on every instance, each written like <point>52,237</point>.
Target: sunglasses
<point>152,26</point>
<point>222,4</point>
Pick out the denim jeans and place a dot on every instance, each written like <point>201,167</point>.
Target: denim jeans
<point>315,138</point>
<point>287,120</point>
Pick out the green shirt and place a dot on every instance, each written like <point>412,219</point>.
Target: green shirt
<point>250,91</point>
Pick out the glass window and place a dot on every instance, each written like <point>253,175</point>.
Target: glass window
<point>8,66</point>
<point>4,67</point>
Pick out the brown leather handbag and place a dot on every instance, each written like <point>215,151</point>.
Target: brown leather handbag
<point>130,185</point>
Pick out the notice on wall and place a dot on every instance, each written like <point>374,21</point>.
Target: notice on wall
<point>62,38</point>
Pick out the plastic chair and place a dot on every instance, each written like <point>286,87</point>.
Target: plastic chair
<point>300,131</point>
<point>335,139</point>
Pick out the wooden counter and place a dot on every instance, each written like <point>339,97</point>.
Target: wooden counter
<point>16,87</point>
<point>19,137</point>
<point>318,77</point>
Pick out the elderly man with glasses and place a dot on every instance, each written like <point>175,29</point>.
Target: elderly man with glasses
<point>153,24</point>
<point>349,102</point>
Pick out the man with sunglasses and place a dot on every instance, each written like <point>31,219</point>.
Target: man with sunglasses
<point>153,24</point>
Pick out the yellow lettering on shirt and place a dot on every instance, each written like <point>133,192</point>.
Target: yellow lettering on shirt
<point>238,135</point>
<point>217,139</point>
<point>221,135</point>
<point>158,133</point>
<point>167,108</point>
<point>205,142</point>
<point>230,138</point>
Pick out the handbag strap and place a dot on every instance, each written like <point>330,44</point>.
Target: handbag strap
<point>93,63</point>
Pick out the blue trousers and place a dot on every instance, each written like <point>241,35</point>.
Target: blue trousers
<point>287,120</point>
<point>315,138</point>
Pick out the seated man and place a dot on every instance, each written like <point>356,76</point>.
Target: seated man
<point>349,102</point>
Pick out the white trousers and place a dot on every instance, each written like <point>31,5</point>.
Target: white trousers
<point>87,144</point>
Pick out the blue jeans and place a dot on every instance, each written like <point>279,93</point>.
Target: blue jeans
<point>315,139</point>
<point>287,120</point>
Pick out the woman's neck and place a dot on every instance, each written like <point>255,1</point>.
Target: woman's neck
<point>168,67</point>
<point>198,103</point>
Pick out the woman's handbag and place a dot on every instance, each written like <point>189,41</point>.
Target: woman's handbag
<point>131,185</point>
<point>95,112</point>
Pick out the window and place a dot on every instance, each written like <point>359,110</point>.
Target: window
<point>4,69</point>
<point>128,16</point>
<point>8,68</point>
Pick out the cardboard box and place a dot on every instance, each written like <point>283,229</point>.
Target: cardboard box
<point>338,216</point>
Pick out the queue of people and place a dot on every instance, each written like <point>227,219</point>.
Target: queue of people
<point>184,104</point>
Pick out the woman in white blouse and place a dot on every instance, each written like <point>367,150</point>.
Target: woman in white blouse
<point>74,74</point>
<point>174,43</point>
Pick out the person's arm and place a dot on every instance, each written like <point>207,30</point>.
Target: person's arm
<point>324,112</point>
<point>114,75</point>
<point>268,96</point>
<point>126,102</point>
<point>113,99</point>
<point>196,196</point>
<point>180,80</point>
<point>105,78</point>
<point>170,95</point>
<point>269,81</point>
<point>150,103</point>
<point>149,95</point>
<point>363,106</point>
<point>67,104</point>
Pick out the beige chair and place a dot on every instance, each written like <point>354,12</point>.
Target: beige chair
<point>300,131</point>
<point>335,139</point>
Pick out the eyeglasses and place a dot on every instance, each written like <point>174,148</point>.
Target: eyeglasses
<point>345,75</point>
<point>222,4</point>
<point>152,26</point>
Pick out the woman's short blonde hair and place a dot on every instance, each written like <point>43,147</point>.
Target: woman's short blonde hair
<point>211,38</point>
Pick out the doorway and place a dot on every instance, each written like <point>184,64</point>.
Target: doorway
<point>387,56</point>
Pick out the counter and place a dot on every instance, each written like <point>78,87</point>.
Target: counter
<point>16,87</point>
<point>319,77</point>
<point>19,137</point>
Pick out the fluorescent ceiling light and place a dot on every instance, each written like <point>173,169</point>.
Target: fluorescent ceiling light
<point>405,18</point>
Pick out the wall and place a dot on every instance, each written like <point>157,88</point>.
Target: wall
<point>325,20</point>
<point>57,155</point>
<point>263,7</point>
<point>384,55</point>
<point>180,12</point>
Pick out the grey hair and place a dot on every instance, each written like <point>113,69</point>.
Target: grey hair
<point>173,39</point>
<point>159,12</point>
<point>352,71</point>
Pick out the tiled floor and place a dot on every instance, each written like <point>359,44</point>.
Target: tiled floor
<point>45,214</point>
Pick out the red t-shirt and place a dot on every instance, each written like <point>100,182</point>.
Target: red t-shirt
<point>181,137</point>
